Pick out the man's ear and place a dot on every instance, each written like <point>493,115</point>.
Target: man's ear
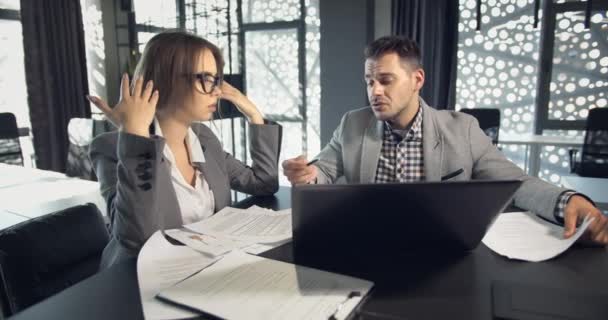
<point>419,78</point>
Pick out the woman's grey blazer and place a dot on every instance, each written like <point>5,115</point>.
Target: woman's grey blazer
<point>137,187</point>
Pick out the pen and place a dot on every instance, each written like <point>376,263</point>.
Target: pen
<point>312,161</point>
<point>452,175</point>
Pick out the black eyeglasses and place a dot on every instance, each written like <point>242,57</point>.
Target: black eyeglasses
<point>208,81</point>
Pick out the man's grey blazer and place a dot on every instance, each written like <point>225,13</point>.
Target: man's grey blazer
<point>450,140</point>
<point>137,186</point>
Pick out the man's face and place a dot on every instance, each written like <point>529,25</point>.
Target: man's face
<point>392,87</point>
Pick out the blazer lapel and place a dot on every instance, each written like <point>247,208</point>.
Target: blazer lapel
<point>432,144</point>
<point>370,152</point>
<point>168,208</point>
<point>212,173</point>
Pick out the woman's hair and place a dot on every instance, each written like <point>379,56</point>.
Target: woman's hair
<point>170,59</point>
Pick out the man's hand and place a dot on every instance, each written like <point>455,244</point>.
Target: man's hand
<point>576,210</point>
<point>297,172</point>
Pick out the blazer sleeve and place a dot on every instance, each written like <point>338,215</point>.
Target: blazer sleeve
<point>330,163</point>
<point>262,178</point>
<point>128,169</point>
<point>534,194</point>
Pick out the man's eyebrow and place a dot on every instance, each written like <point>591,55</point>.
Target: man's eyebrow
<point>381,74</point>
<point>386,74</point>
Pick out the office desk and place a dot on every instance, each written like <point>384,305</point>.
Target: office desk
<point>450,288</point>
<point>534,144</point>
<point>595,188</point>
<point>30,193</point>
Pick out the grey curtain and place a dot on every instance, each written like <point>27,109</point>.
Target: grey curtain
<point>433,24</point>
<point>56,75</point>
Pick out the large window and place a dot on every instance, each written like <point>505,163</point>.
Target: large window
<point>95,49</point>
<point>273,45</point>
<point>498,68</point>
<point>13,90</point>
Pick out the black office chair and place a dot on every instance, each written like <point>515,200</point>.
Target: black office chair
<point>489,121</point>
<point>594,156</point>
<point>10,147</point>
<point>81,132</point>
<point>42,256</point>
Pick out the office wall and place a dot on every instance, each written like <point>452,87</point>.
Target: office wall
<point>346,27</point>
<point>382,18</point>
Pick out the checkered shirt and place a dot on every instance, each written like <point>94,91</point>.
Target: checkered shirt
<point>401,158</point>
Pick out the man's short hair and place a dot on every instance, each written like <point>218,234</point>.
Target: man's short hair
<point>406,48</point>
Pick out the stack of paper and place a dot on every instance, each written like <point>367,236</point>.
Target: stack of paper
<point>214,246</point>
<point>524,236</point>
<point>254,230</point>
<point>254,224</point>
<point>161,265</point>
<point>243,286</point>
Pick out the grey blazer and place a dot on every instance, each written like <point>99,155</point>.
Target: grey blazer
<point>451,141</point>
<point>137,186</point>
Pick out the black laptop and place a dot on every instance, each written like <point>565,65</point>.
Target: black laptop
<point>365,220</point>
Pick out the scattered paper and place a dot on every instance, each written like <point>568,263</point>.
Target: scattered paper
<point>243,286</point>
<point>254,224</point>
<point>258,248</point>
<point>524,236</point>
<point>161,265</point>
<point>207,244</point>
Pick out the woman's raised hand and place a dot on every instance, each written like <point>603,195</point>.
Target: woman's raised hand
<point>245,106</point>
<point>135,111</point>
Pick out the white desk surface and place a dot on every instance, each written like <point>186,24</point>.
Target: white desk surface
<point>541,140</point>
<point>31,193</point>
<point>595,188</point>
<point>8,219</point>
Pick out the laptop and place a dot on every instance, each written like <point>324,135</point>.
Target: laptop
<point>367,220</point>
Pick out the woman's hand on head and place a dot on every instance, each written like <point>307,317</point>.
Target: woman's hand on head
<point>245,106</point>
<point>135,111</point>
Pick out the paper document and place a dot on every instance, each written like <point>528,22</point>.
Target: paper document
<point>524,236</point>
<point>254,224</point>
<point>161,265</point>
<point>258,248</point>
<point>243,286</point>
<point>207,244</point>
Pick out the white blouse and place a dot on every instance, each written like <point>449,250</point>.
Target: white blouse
<point>195,203</point>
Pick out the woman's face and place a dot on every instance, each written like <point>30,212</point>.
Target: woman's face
<point>206,90</point>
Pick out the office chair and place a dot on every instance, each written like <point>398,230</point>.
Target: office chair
<point>10,147</point>
<point>42,256</point>
<point>81,132</point>
<point>489,121</point>
<point>594,156</point>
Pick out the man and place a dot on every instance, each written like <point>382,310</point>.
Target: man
<point>399,138</point>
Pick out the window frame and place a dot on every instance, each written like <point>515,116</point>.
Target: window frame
<point>545,63</point>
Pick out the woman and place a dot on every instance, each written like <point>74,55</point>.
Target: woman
<point>163,169</point>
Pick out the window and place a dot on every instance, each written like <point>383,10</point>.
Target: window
<point>282,69</point>
<point>13,89</point>
<point>274,44</point>
<point>498,68</point>
<point>95,49</point>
